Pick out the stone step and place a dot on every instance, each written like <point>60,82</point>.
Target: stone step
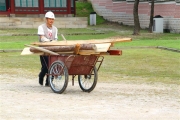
<point>60,22</point>
<point>121,12</point>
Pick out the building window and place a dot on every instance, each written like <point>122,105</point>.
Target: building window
<point>2,5</point>
<point>72,3</point>
<point>178,1</point>
<point>55,3</point>
<point>26,3</point>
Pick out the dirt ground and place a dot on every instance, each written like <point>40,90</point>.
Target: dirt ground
<point>22,98</point>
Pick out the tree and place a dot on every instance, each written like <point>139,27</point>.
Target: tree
<point>151,16</point>
<point>136,18</point>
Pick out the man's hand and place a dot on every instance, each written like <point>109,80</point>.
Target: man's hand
<point>44,39</point>
<point>53,40</point>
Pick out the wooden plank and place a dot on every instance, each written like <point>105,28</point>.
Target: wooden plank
<point>87,52</point>
<point>115,52</point>
<point>97,49</point>
<point>26,51</point>
<point>102,47</point>
<point>74,42</point>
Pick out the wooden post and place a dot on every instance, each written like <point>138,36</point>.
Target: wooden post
<point>74,8</point>
<point>41,6</point>
<point>68,6</point>
<point>12,6</point>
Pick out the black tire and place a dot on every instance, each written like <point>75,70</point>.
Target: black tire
<point>58,77</point>
<point>88,82</point>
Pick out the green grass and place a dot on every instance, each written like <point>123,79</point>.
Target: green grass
<point>110,30</point>
<point>150,65</point>
<point>139,65</point>
<point>14,63</point>
<point>151,43</point>
<point>145,63</point>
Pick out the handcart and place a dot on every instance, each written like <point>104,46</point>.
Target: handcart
<point>77,58</point>
<point>84,66</point>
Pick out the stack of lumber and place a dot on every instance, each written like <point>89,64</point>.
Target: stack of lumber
<point>77,47</point>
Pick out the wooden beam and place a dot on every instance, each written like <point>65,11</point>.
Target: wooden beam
<point>43,50</point>
<point>74,42</point>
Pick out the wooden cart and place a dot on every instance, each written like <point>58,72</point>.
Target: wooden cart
<point>85,66</point>
<point>81,58</point>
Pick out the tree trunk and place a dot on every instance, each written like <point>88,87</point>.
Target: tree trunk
<point>65,48</point>
<point>136,18</point>
<point>151,16</point>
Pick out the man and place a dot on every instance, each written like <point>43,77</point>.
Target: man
<point>47,33</point>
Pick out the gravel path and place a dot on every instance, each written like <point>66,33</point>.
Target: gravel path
<point>22,98</point>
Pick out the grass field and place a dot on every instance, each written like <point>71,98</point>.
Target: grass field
<point>145,65</point>
<point>102,31</point>
<point>150,65</point>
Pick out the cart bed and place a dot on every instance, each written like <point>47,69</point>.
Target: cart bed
<point>76,64</point>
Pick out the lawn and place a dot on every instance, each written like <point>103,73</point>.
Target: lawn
<point>135,65</point>
<point>102,31</point>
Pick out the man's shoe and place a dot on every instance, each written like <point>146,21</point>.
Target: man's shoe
<point>40,83</point>
<point>47,85</point>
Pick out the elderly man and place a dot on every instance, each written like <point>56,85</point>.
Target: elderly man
<point>47,33</point>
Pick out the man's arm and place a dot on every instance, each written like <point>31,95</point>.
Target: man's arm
<point>56,35</point>
<point>42,38</point>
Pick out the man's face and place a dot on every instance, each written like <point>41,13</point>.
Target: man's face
<point>50,21</point>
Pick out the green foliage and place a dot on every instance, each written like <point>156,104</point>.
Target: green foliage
<point>83,9</point>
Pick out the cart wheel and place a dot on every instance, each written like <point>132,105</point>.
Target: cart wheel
<point>88,82</point>
<point>58,77</point>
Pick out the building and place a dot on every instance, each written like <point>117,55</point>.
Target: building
<point>30,13</point>
<point>121,11</point>
<point>36,7</point>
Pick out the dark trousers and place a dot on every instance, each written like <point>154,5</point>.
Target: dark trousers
<point>44,69</point>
